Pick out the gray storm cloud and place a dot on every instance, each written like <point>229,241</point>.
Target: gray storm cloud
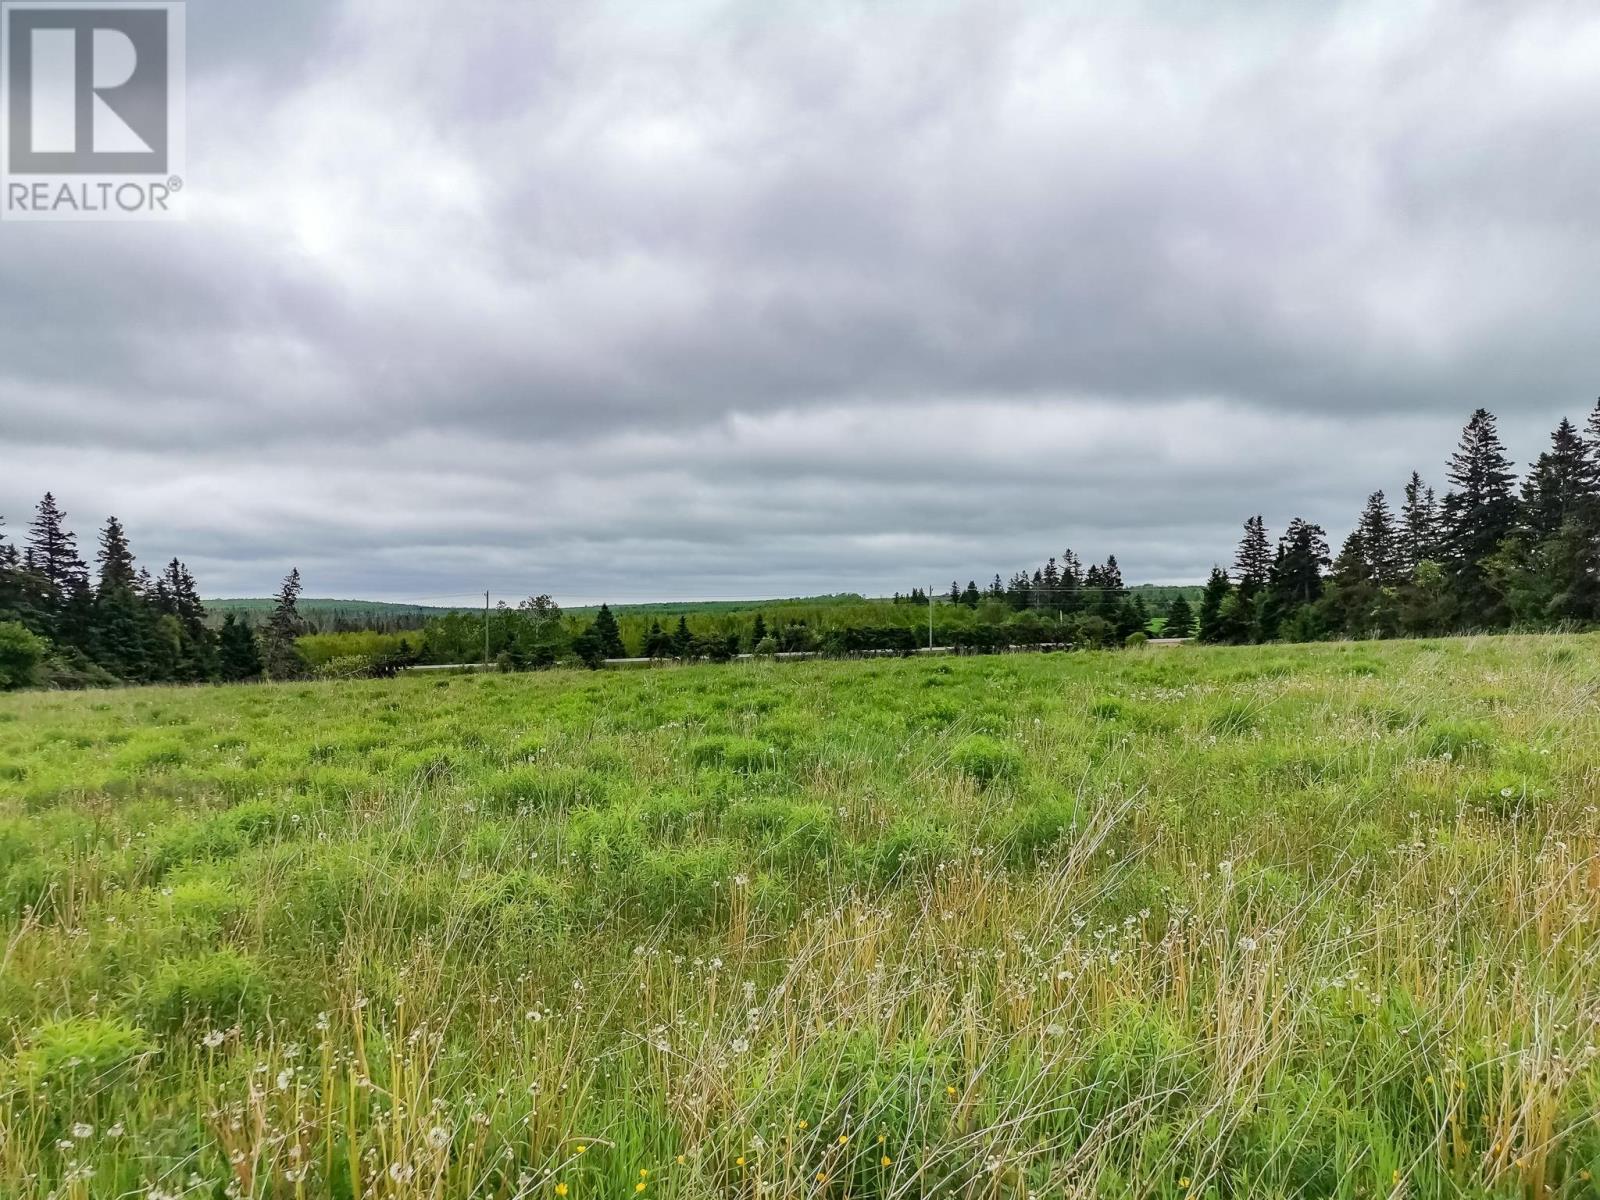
<point>695,300</point>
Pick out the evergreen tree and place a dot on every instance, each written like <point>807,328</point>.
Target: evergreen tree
<point>1379,543</point>
<point>1302,558</point>
<point>238,658</point>
<point>608,635</point>
<point>1180,618</point>
<point>758,631</point>
<point>658,642</point>
<point>115,558</point>
<point>1219,589</point>
<point>1564,483</point>
<point>122,631</point>
<point>1252,565</point>
<point>52,548</point>
<point>1419,535</point>
<point>682,639</point>
<point>279,655</point>
<point>52,556</point>
<point>1476,517</point>
<point>970,596</point>
<point>955,592</point>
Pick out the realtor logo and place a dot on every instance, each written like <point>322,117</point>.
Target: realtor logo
<point>93,110</point>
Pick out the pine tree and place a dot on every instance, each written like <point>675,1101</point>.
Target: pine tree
<point>1219,589</point>
<point>238,658</point>
<point>608,635</point>
<point>1252,565</point>
<point>1564,483</point>
<point>121,633</point>
<point>1180,618</point>
<point>1302,559</point>
<point>758,631</point>
<point>52,556</point>
<point>1419,536</point>
<point>1477,515</point>
<point>115,558</point>
<point>955,592</point>
<point>682,639</point>
<point>970,596</point>
<point>1379,543</point>
<point>279,655</point>
<point>658,643</point>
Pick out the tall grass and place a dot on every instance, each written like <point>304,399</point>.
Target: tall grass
<point>1274,922</point>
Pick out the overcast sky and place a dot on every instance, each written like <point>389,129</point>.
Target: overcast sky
<point>647,301</point>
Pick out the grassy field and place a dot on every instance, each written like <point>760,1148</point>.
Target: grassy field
<point>1190,922</point>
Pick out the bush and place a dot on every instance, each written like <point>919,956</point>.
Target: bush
<point>21,654</point>
<point>346,666</point>
<point>1135,641</point>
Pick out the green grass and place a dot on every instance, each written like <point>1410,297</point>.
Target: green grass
<point>1312,921</point>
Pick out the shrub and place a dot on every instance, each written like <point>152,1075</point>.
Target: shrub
<point>21,654</point>
<point>1136,641</point>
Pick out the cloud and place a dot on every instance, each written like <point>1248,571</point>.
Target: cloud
<point>716,299</point>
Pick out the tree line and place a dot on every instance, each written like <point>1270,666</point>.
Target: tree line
<point>1490,554</point>
<point>65,625</point>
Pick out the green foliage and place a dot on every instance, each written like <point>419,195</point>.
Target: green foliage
<point>21,654</point>
<point>985,759</point>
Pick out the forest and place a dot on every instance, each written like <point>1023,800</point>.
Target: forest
<point>1490,553</point>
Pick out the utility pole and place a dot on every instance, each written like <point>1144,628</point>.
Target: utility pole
<point>486,628</point>
<point>930,618</point>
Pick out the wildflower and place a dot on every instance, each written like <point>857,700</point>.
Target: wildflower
<point>438,1137</point>
<point>1184,1182</point>
<point>884,1161</point>
<point>639,1187</point>
<point>644,1172</point>
<point>739,1162</point>
<point>81,1131</point>
<point>561,1188</point>
<point>844,1139</point>
<point>805,1124</point>
<point>1247,944</point>
<point>212,1040</point>
<point>115,1131</point>
<point>741,1045</point>
<point>950,1090</point>
<point>582,1149</point>
<point>681,1160</point>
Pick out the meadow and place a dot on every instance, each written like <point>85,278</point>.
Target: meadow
<point>1187,922</point>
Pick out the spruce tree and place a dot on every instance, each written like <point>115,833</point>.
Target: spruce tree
<point>1219,589</point>
<point>682,639</point>
<point>1379,543</point>
<point>1562,484</point>
<point>1252,565</point>
<point>970,596</point>
<point>52,556</point>
<point>279,655</point>
<point>1419,533</point>
<point>758,631</point>
<point>238,658</point>
<point>115,558</point>
<point>1180,618</point>
<point>1476,517</point>
<point>608,635</point>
